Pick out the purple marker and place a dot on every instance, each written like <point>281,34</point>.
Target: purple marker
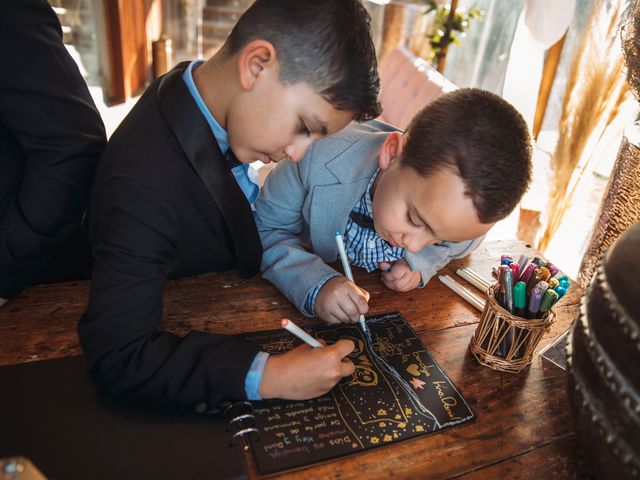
<point>534,303</point>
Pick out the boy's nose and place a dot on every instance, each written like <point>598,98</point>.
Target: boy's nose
<point>414,243</point>
<point>297,149</point>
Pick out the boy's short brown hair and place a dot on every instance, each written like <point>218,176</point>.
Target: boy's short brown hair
<point>481,137</point>
<point>325,43</point>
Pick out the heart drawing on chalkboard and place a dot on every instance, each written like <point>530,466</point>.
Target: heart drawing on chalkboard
<point>413,370</point>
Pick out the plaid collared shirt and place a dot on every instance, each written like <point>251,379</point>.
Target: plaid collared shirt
<point>364,247</point>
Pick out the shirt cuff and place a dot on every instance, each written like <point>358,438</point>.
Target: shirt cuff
<point>310,303</point>
<point>254,376</point>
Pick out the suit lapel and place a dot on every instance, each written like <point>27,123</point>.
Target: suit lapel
<point>199,145</point>
<point>331,204</point>
<point>329,212</point>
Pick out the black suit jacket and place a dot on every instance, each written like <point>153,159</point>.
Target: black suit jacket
<point>165,205</point>
<point>51,137</point>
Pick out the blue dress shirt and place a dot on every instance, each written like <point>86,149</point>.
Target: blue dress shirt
<point>247,179</point>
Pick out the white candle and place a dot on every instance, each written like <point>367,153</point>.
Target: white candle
<point>463,292</point>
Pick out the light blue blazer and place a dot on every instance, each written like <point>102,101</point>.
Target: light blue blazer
<point>302,205</point>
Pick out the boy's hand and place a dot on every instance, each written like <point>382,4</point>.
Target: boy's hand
<point>306,372</point>
<point>2,301</point>
<point>341,301</point>
<point>400,277</point>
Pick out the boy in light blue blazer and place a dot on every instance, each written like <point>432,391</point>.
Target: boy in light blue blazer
<point>406,203</point>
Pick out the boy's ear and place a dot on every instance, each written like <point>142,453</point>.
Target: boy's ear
<point>253,59</point>
<point>391,149</point>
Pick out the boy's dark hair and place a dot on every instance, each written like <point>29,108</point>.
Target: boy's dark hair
<point>480,136</point>
<point>325,43</point>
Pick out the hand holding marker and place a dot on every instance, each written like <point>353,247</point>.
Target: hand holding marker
<point>347,271</point>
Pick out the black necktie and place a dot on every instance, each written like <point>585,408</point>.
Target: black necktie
<point>230,159</point>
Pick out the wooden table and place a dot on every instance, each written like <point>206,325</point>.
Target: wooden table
<point>523,427</point>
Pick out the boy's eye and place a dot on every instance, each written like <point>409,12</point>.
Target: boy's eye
<point>304,129</point>
<point>413,224</point>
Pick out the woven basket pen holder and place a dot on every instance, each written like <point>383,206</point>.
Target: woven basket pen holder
<point>504,341</point>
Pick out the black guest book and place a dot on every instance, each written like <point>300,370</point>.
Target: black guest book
<point>397,392</point>
<point>51,414</point>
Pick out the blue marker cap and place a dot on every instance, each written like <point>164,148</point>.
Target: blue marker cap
<point>506,259</point>
<point>561,291</point>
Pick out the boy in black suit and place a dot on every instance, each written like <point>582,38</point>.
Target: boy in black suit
<point>171,200</point>
<point>51,137</point>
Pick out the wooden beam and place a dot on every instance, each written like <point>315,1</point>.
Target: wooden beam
<point>129,23</point>
<point>548,76</point>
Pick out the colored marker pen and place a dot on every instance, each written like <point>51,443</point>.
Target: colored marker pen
<point>561,291</point>
<point>515,268</point>
<point>506,259</point>
<point>562,277</point>
<point>508,290</point>
<point>534,303</point>
<point>347,271</point>
<point>520,299</point>
<point>550,297</point>
<point>520,307</point>
<point>539,262</point>
<point>300,333</point>
<point>553,283</point>
<point>526,274</point>
<point>553,269</point>
<point>502,269</point>
<point>546,274</point>
<point>533,280</point>
<point>522,261</point>
<point>543,286</point>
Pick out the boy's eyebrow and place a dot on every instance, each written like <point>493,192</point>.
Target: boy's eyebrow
<point>323,126</point>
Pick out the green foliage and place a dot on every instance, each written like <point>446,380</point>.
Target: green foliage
<point>459,23</point>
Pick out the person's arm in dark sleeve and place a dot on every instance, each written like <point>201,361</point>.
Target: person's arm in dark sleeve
<point>51,136</point>
<point>129,357</point>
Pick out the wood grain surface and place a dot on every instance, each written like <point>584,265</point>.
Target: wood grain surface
<point>523,427</point>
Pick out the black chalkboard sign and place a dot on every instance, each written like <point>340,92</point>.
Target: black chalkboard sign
<point>397,392</point>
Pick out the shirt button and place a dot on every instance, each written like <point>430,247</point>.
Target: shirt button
<point>372,244</point>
